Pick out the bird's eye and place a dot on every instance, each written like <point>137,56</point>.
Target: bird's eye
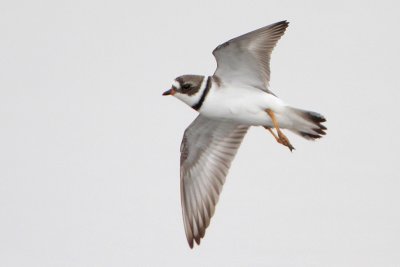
<point>186,86</point>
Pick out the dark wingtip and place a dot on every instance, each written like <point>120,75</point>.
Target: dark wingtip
<point>197,239</point>
<point>283,23</point>
<point>190,242</point>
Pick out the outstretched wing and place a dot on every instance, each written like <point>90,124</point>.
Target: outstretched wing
<point>245,59</point>
<point>207,150</point>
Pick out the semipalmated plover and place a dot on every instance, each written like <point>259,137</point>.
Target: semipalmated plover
<point>234,98</point>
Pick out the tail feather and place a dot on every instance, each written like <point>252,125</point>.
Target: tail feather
<point>307,124</point>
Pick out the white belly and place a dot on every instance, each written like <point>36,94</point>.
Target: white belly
<point>243,105</point>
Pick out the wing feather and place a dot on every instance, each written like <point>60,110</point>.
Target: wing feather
<point>246,59</point>
<point>207,150</point>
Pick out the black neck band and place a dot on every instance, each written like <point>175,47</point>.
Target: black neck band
<point>203,96</point>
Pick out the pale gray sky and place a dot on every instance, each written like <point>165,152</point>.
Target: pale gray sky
<point>89,149</point>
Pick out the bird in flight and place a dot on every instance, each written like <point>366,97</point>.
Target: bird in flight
<point>234,98</point>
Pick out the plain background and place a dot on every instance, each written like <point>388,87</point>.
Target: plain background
<point>89,149</point>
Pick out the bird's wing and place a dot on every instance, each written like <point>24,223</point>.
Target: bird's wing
<point>207,150</point>
<point>245,59</point>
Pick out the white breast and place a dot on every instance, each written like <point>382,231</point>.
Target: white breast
<point>242,105</point>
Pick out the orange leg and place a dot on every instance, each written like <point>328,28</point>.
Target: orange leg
<point>281,138</point>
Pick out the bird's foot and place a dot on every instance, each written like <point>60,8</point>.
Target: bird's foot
<point>282,139</point>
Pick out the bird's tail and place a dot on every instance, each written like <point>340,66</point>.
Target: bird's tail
<point>307,124</point>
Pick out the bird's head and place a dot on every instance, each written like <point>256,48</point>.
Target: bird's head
<point>188,88</point>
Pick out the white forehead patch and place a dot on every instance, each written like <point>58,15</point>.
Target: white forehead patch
<point>176,84</point>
